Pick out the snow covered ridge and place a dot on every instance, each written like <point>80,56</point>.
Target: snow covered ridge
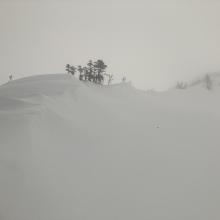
<point>75,150</point>
<point>29,90</point>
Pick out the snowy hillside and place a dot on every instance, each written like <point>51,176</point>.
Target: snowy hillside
<point>73,150</point>
<point>214,78</point>
<point>208,81</point>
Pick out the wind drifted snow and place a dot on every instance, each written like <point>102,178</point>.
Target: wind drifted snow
<point>74,150</point>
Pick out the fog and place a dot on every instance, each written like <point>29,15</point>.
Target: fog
<point>153,43</point>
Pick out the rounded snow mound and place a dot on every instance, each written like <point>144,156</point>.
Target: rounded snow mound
<point>51,84</point>
<point>38,87</point>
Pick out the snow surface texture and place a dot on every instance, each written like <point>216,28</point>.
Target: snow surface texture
<point>73,150</point>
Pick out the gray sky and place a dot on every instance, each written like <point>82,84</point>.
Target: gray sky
<point>153,42</point>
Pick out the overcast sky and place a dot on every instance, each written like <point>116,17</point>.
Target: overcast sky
<point>153,42</point>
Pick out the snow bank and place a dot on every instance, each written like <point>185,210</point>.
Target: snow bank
<point>74,150</point>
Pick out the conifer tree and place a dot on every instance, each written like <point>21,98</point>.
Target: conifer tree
<point>72,70</point>
<point>68,68</point>
<point>90,68</point>
<point>100,67</point>
<point>80,70</point>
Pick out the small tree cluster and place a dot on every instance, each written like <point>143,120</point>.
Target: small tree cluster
<point>93,72</point>
<point>181,85</point>
<point>70,69</point>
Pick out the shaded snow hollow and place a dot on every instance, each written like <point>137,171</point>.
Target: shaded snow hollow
<point>73,150</point>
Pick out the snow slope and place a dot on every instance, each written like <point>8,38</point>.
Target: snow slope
<point>73,150</point>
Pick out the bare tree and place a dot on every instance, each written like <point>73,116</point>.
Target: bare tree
<point>10,77</point>
<point>181,85</point>
<point>208,82</point>
<point>123,79</point>
<point>110,78</point>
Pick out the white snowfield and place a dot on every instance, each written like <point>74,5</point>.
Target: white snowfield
<point>71,150</point>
